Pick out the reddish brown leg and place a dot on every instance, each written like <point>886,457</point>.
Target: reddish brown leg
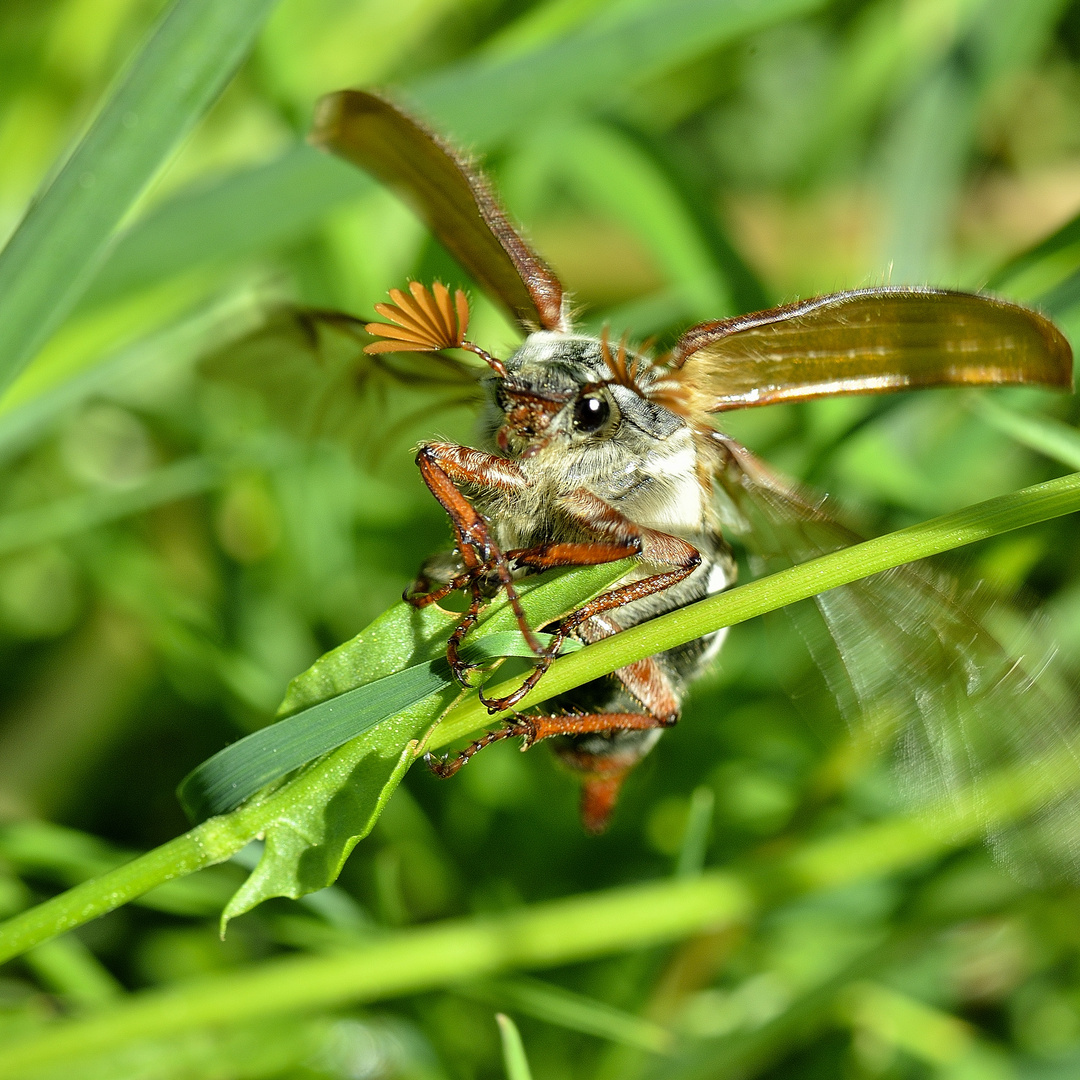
<point>535,728</point>
<point>422,597</point>
<point>602,774</point>
<point>547,557</point>
<point>443,466</point>
<point>617,534</point>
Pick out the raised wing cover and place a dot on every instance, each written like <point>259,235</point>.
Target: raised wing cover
<point>869,341</point>
<point>449,195</point>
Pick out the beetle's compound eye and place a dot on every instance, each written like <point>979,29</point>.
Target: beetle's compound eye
<point>591,414</point>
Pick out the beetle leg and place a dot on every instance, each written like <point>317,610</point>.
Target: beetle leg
<point>602,772</point>
<point>618,538</point>
<point>443,466</point>
<point>533,729</point>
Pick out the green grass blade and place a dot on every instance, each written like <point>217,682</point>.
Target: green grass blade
<point>645,201</point>
<point>517,1064</point>
<point>979,522</point>
<point>65,856</point>
<point>1064,296</point>
<point>245,213</point>
<point>438,955</point>
<point>312,822</point>
<point>184,65</point>
<point>289,195</point>
<point>1065,240</point>
<point>556,1005</point>
<point>173,348</point>
<point>221,837</point>
<point>695,841</point>
<point>64,517</point>
<point>1050,437</point>
<point>68,968</point>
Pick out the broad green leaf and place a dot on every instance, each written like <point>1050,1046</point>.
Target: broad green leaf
<point>184,65</point>
<point>314,820</point>
<point>234,774</point>
<point>219,838</point>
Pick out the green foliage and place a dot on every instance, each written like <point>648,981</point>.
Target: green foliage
<point>188,525</point>
<point>180,71</point>
<point>312,823</point>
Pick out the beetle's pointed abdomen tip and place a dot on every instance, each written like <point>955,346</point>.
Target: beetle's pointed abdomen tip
<point>599,794</point>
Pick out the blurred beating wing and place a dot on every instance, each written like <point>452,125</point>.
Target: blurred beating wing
<point>869,341</point>
<point>982,721</point>
<point>449,195</point>
<point>312,374</point>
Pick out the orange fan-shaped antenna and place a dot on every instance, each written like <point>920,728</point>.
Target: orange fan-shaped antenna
<point>423,321</point>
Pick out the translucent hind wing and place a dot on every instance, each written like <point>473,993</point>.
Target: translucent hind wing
<point>311,371</point>
<point>451,197</point>
<point>981,718</point>
<point>869,341</point>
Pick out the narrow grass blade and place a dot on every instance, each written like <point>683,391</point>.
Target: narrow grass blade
<point>184,65</point>
<point>221,837</point>
<point>68,857</point>
<point>517,1064</point>
<point>247,212</point>
<point>1050,437</point>
<point>1064,240</point>
<point>172,348</point>
<point>425,958</point>
<point>487,101</point>
<point>67,967</point>
<point>979,522</point>
<point>575,1012</point>
<point>64,517</point>
<point>695,841</point>
<point>287,196</point>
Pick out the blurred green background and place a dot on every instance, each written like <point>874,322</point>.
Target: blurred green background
<point>174,548</point>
